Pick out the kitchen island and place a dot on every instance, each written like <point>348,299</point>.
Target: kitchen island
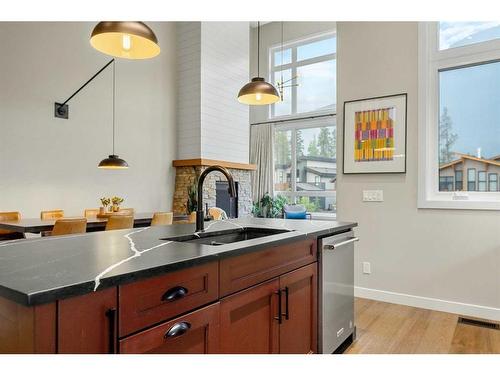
<point>243,286</point>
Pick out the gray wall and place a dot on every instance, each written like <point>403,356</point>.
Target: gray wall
<point>446,259</point>
<point>48,163</point>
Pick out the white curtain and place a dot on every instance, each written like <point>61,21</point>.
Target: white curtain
<point>261,154</point>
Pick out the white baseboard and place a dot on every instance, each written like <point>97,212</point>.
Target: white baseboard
<point>483,312</point>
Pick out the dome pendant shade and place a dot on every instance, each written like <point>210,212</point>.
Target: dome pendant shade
<point>113,162</point>
<point>125,39</point>
<point>258,92</point>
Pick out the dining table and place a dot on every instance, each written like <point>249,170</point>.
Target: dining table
<point>37,225</point>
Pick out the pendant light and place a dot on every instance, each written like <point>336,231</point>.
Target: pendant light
<point>113,161</point>
<point>258,91</point>
<point>125,39</point>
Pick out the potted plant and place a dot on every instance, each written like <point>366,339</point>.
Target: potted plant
<point>116,201</point>
<point>192,192</point>
<point>104,205</point>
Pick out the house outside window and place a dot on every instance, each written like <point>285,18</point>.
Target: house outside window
<point>458,106</point>
<point>309,68</point>
<point>307,151</point>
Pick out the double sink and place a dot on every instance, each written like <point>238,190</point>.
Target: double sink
<point>218,238</point>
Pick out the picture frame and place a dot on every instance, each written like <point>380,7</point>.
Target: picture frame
<point>375,132</point>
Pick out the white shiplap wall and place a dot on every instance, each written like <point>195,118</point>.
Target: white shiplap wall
<point>212,68</point>
<point>188,89</point>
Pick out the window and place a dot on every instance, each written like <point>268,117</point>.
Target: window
<point>493,182</point>
<point>459,181</point>
<point>308,149</point>
<point>313,63</point>
<point>459,91</point>
<point>446,183</point>
<point>471,179</point>
<point>481,181</point>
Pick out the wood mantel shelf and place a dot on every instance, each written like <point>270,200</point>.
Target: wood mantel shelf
<point>208,162</point>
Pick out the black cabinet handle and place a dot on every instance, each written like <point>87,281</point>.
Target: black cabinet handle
<point>287,314</point>
<point>178,329</point>
<point>279,318</point>
<point>174,293</point>
<point>112,337</point>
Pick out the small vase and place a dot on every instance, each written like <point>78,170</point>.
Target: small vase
<point>116,208</point>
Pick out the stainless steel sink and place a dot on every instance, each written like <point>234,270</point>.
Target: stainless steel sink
<point>228,236</point>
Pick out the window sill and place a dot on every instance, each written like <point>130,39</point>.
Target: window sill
<point>451,204</point>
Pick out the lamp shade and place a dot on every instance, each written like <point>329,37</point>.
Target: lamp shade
<point>258,92</point>
<point>125,39</point>
<point>113,162</point>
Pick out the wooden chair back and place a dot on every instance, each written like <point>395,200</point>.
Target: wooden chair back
<point>192,217</point>
<point>162,218</point>
<point>69,226</point>
<point>90,212</point>
<point>10,216</point>
<point>217,213</point>
<point>120,222</point>
<point>52,215</point>
<point>126,211</point>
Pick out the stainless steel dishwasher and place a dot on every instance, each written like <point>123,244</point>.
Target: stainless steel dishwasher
<point>336,291</point>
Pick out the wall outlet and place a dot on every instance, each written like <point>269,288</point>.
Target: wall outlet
<point>367,268</point>
<point>373,195</point>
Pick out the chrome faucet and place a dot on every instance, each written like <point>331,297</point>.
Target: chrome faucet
<point>232,193</point>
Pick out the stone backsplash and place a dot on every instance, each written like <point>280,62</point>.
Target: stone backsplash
<point>186,176</point>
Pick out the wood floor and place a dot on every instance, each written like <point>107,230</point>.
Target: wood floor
<point>385,328</point>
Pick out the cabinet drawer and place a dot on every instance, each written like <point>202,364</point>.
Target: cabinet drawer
<point>148,302</point>
<point>243,271</point>
<point>193,333</point>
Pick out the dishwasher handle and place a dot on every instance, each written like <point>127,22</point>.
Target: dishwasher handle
<point>334,246</point>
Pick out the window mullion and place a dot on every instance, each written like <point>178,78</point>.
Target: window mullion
<point>294,162</point>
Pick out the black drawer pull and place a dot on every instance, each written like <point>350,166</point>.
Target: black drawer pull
<point>178,329</point>
<point>174,293</point>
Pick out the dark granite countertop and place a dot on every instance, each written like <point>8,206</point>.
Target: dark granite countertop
<point>41,270</point>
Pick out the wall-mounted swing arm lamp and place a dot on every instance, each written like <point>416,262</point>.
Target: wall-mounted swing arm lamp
<point>61,110</point>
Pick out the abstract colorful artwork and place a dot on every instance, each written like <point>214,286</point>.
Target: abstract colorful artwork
<point>374,135</point>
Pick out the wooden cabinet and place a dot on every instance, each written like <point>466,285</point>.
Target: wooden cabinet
<point>87,324</point>
<point>237,273</point>
<point>150,301</point>
<point>298,331</point>
<point>193,333</point>
<point>248,320</point>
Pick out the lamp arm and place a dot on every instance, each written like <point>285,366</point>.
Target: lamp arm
<point>60,107</point>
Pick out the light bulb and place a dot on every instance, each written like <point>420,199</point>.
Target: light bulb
<point>126,42</point>
<point>258,96</point>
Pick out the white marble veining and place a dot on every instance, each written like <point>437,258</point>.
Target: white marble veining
<point>135,253</point>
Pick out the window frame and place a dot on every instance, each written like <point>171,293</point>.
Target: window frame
<point>490,181</point>
<point>293,194</point>
<point>293,65</point>
<point>457,181</point>
<point>431,62</point>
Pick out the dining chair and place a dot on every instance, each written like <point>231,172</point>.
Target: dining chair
<point>8,234</point>
<point>69,226</point>
<point>90,212</point>
<point>162,218</point>
<point>217,213</point>
<point>126,211</point>
<point>192,217</point>
<point>120,222</point>
<point>52,215</point>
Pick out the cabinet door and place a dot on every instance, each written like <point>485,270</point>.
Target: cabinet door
<point>87,324</point>
<point>248,320</point>
<point>298,331</point>
<point>193,333</point>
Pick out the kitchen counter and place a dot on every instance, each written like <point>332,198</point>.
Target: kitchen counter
<point>42,270</point>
